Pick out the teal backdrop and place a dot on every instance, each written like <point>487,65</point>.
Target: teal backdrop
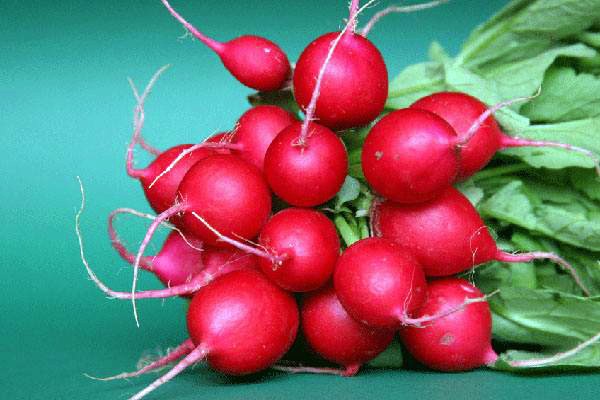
<point>66,110</point>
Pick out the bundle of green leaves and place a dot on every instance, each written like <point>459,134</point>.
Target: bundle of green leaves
<point>531,198</point>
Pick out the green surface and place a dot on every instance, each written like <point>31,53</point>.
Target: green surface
<point>65,110</point>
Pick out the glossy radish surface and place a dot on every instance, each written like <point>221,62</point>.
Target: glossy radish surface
<point>355,84</point>
<point>310,174</point>
<point>457,342</point>
<point>246,322</point>
<point>309,243</point>
<point>335,335</point>
<point>379,283</point>
<point>256,129</point>
<point>409,156</point>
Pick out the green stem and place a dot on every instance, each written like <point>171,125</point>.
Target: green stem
<point>499,171</point>
<point>348,234</point>
<point>363,228</point>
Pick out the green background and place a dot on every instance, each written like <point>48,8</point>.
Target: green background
<point>66,109</point>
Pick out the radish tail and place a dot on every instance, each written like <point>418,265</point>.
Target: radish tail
<point>350,370</point>
<point>398,9</point>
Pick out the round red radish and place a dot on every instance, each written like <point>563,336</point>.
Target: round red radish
<point>461,110</point>
<point>355,83</point>
<point>457,342</point>
<point>256,129</point>
<point>229,194</point>
<point>162,194</point>
<point>379,283</point>
<point>309,174</point>
<point>409,156</point>
<point>253,60</point>
<point>245,322</point>
<point>336,336</point>
<point>309,243</point>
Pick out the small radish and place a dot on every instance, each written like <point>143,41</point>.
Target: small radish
<point>379,283</point>
<point>308,174</point>
<point>457,342</point>
<point>176,263</point>
<point>256,129</point>
<point>409,156</point>
<point>479,136</point>
<point>254,61</point>
<point>309,245</point>
<point>447,236</point>
<point>336,336</point>
<point>240,324</point>
<point>354,84</point>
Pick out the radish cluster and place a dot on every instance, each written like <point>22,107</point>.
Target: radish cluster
<point>241,262</point>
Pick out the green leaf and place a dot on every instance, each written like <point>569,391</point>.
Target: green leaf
<point>390,358</point>
<point>557,212</point>
<point>585,181</point>
<point>565,96</point>
<point>544,317</point>
<point>414,82</point>
<point>584,133</point>
<point>350,191</point>
<point>585,360</point>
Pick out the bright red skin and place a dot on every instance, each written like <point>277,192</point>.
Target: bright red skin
<point>309,175</point>
<point>162,194</point>
<point>256,129</point>
<point>214,258</point>
<point>177,262</point>
<point>446,235</point>
<point>336,336</point>
<point>379,283</point>
<point>310,242</point>
<point>461,110</point>
<point>256,62</point>
<point>355,84</point>
<point>409,156</point>
<point>230,194</point>
<point>457,342</point>
<point>246,322</point>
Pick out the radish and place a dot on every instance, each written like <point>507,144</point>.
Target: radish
<point>240,324</point>
<point>181,259</point>
<point>409,156</point>
<point>308,174</point>
<point>336,336</point>
<point>447,235</point>
<point>223,138</point>
<point>479,136</point>
<point>458,342</point>
<point>256,129</point>
<point>379,283</point>
<point>309,245</point>
<point>352,81</point>
<point>254,61</point>
<point>175,264</point>
<point>398,9</point>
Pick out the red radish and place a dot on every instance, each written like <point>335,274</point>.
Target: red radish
<point>214,259</point>
<point>310,174</point>
<point>351,82</point>
<point>256,129</point>
<point>254,61</point>
<point>336,336</point>
<point>379,283</point>
<point>479,135</point>
<point>309,245</point>
<point>409,156</point>
<point>240,324</point>
<point>175,264</point>
<point>457,342</point>
<point>447,235</point>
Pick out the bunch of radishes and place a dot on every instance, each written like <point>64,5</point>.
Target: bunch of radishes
<point>240,261</point>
